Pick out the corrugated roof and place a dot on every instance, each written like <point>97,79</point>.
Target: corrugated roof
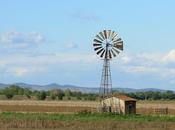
<point>124,97</point>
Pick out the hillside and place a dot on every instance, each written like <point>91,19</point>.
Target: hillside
<point>78,88</point>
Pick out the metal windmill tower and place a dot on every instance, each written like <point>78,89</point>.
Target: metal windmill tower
<point>107,45</point>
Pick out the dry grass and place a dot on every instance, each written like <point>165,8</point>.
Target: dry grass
<point>47,106</point>
<point>50,103</point>
<point>88,125</point>
<point>143,107</point>
<point>41,109</point>
<point>156,104</point>
<point>148,107</point>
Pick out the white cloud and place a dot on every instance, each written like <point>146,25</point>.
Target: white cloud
<point>154,58</point>
<point>22,71</point>
<point>57,58</point>
<point>14,39</point>
<point>70,45</point>
<point>149,59</point>
<point>126,59</point>
<point>150,64</point>
<point>23,65</point>
<point>160,64</point>
<point>17,71</point>
<point>169,57</point>
<point>140,69</point>
<point>35,37</point>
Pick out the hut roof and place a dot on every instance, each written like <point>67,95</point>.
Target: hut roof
<point>124,98</point>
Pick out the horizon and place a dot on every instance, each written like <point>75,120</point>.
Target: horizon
<point>73,85</point>
<point>44,42</point>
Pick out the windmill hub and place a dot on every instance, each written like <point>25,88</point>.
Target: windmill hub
<point>107,44</point>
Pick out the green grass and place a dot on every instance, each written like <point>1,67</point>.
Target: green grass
<point>85,117</point>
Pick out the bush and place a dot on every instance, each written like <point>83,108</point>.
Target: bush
<point>19,97</point>
<point>41,95</point>
<point>9,95</point>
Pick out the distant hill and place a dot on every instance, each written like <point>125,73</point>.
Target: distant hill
<point>3,85</point>
<point>78,88</point>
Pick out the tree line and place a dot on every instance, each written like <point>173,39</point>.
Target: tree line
<point>153,95</point>
<point>53,94</point>
<point>13,91</point>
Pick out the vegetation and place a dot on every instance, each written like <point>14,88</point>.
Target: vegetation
<point>54,94</point>
<point>68,115</point>
<point>84,121</point>
<point>85,117</point>
<point>14,92</point>
<point>150,95</point>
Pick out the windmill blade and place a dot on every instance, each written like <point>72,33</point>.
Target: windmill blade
<point>112,34</point>
<point>98,37</point>
<point>98,52</point>
<point>96,44</point>
<point>97,48</point>
<point>109,33</point>
<point>110,56</point>
<point>105,33</point>
<point>119,45</point>
<point>114,55</point>
<point>95,40</point>
<point>115,50</point>
<point>118,40</point>
<point>115,34</point>
<point>112,49</point>
<point>101,34</point>
<point>102,53</point>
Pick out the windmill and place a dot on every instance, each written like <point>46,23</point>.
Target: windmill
<point>107,44</point>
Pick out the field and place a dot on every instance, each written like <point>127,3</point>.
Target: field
<point>143,107</point>
<point>68,115</point>
<point>47,106</point>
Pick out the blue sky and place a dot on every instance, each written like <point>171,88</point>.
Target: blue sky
<point>51,41</point>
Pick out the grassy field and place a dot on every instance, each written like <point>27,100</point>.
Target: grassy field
<point>85,121</point>
<point>67,115</point>
<point>85,117</point>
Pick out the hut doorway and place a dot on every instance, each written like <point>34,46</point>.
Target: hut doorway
<point>130,107</point>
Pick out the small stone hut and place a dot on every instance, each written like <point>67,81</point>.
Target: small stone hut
<point>120,104</point>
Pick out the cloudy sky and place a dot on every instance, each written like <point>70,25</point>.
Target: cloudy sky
<point>47,41</point>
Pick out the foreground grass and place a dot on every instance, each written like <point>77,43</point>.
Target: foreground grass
<point>85,117</point>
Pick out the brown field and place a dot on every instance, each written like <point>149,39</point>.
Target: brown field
<point>47,106</point>
<point>143,107</point>
<point>148,107</point>
<point>49,103</point>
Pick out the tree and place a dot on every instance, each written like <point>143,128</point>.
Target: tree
<point>27,92</point>
<point>61,95</point>
<point>41,95</point>
<point>9,94</point>
<point>57,94</point>
<point>169,95</point>
<point>11,91</point>
<point>68,94</point>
